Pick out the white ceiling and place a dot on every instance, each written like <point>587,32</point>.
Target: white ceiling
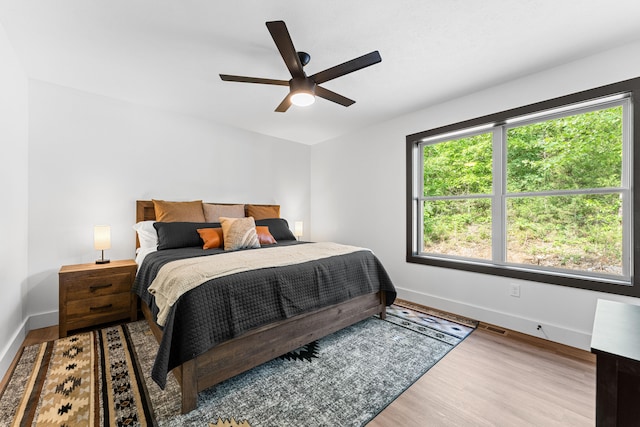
<point>168,53</point>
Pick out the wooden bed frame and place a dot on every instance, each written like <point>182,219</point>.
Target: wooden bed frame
<point>261,344</point>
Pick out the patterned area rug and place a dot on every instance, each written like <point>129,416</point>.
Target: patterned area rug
<point>103,378</point>
<point>437,326</point>
<point>439,314</point>
<point>88,379</point>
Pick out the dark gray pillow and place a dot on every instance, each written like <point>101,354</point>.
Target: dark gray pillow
<point>278,227</point>
<point>172,235</point>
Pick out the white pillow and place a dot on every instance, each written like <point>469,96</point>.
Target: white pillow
<point>141,253</point>
<point>147,235</point>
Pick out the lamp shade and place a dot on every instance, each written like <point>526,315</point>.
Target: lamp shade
<point>102,237</point>
<point>298,228</point>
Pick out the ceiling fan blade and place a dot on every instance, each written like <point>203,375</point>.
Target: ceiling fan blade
<point>347,67</point>
<point>242,79</point>
<point>281,37</point>
<point>284,105</point>
<point>332,96</point>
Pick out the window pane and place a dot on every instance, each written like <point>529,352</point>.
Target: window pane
<point>582,232</point>
<point>458,167</point>
<point>458,227</point>
<point>575,152</point>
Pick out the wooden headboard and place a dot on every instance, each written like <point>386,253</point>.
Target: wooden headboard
<point>146,212</point>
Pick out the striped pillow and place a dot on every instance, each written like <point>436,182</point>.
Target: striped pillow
<point>239,233</point>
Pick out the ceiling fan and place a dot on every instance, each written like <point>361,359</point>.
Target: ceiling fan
<point>302,88</point>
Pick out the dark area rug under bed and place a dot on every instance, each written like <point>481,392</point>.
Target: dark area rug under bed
<point>103,378</point>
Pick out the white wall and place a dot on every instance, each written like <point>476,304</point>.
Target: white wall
<point>13,193</point>
<point>91,157</point>
<point>370,211</point>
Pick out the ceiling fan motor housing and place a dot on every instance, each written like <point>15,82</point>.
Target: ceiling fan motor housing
<point>302,85</point>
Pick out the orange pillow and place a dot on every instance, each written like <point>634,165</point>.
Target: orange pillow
<point>263,211</point>
<point>178,211</point>
<point>212,237</point>
<point>264,236</point>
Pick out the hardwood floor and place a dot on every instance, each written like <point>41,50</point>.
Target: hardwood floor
<point>488,380</point>
<point>493,380</point>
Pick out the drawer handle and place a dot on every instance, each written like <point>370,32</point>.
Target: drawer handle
<point>102,307</point>
<point>96,287</point>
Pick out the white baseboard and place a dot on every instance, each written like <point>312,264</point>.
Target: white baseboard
<point>551,332</point>
<point>35,321</point>
<point>42,320</point>
<point>11,349</point>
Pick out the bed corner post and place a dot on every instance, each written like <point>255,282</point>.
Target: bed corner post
<point>189,386</point>
<point>383,305</point>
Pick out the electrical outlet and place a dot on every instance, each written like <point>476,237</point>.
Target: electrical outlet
<point>514,290</point>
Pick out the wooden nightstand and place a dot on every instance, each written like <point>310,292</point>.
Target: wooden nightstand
<point>91,294</point>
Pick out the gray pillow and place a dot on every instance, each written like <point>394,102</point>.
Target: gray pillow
<point>172,235</point>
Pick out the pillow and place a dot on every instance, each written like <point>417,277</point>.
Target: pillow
<point>239,233</point>
<point>147,234</point>
<point>264,211</point>
<point>178,211</point>
<point>264,237</point>
<point>172,235</point>
<point>212,213</point>
<point>142,253</point>
<point>278,227</point>
<point>212,237</point>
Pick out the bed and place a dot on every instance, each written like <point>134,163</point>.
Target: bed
<point>230,324</point>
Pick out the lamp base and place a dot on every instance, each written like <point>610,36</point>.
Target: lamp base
<point>102,261</point>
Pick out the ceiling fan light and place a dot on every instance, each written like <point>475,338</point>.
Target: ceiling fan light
<point>302,98</point>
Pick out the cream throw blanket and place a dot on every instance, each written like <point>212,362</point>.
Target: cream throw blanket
<point>177,277</point>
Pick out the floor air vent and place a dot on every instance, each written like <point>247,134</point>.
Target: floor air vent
<point>495,329</point>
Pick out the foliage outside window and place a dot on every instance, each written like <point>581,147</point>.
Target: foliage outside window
<point>541,193</point>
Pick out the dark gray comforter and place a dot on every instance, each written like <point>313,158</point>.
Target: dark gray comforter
<point>224,308</point>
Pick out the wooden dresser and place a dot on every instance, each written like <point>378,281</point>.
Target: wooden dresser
<point>92,294</point>
<point>616,343</point>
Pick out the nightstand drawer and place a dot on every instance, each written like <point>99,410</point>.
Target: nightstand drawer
<point>95,310</point>
<point>97,285</point>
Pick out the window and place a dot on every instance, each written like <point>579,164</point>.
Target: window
<point>543,192</point>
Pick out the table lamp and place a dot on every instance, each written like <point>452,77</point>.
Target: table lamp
<point>102,240</point>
